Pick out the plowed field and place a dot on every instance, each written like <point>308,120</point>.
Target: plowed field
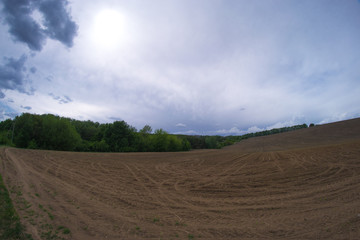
<point>298,185</point>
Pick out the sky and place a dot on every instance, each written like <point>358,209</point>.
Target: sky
<point>211,67</point>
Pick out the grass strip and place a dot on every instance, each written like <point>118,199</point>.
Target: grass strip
<point>10,226</point>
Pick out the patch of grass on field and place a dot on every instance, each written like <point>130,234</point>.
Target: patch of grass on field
<point>177,223</point>
<point>51,216</point>
<point>10,226</point>
<point>64,230</point>
<point>49,232</point>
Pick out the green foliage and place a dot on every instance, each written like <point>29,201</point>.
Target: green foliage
<point>45,131</point>
<point>57,133</point>
<point>5,138</point>
<point>208,142</point>
<point>64,230</point>
<point>211,142</point>
<point>120,137</point>
<point>27,127</point>
<point>146,130</point>
<point>88,130</point>
<point>6,132</point>
<point>216,142</point>
<point>32,144</point>
<point>161,142</point>
<point>10,226</point>
<point>275,131</point>
<point>6,125</point>
<point>99,146</point>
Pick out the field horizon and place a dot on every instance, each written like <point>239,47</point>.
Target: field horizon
<point>303,184</point>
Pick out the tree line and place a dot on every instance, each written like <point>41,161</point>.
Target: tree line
<point>211,142</point>
<point>52,132</point>
<point>58,133</point>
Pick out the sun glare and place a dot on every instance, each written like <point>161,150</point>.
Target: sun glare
<point>108,28</point>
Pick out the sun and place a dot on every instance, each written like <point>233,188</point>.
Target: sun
<point>108,28</point>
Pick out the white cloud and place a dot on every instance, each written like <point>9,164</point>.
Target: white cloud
<point>232,131</point>
<point>220,67</point>
<point>189,132</point>
<point>254,129</point>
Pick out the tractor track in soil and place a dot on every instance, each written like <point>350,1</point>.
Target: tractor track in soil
<point>298,185</point>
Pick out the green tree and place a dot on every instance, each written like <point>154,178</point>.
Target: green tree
<point>100,146</point>
<point>88,130</point>
<point>6,128</point>
<point>211,142</point>
<point>27,128</point>
<point>59,134</point>
<point>146,130</point>
<point>144,140</point>
<point>120,137</point>
<point>161,142</point>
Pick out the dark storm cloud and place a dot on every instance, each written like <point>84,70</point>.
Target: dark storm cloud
<point>62,100</point>
<point>13,75</point>
<point>21,25</point>
<point>57,23</point>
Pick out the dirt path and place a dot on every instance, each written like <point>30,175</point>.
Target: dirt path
<point>311,192</point>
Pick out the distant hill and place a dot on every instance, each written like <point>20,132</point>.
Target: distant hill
<point>331,133</point>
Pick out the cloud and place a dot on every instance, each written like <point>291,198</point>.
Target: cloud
<point>24,26</point>
<point>21,25</point>
<point>115,118</point>
<point>180,125</point>
<point>26,107</point>
<point>214,65</point>
<point>61,100</point>
<point>13,75</point>
<point>67,98</point>
<point>56,22</point>
<point>33,70</point>
<point>6,115</point>
<point>7,112</point>
<point>232,131</point>
<point>339,117</point>
<point>190,132</point>
<point>253,129</point>
<point>50,78</point>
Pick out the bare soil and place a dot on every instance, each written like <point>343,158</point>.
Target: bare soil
<point>297,185</point>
